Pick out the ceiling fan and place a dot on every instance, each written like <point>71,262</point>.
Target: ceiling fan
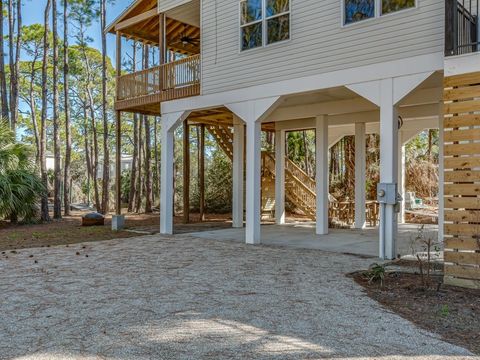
<point>185,40</point>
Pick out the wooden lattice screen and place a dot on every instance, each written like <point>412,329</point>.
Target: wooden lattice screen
<point>462,179</point>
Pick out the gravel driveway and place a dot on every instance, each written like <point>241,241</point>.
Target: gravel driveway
<point>186,298</point>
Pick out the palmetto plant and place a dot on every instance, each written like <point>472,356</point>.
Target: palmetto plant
<point>20,187</point>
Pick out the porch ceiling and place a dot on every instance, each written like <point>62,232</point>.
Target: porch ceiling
<point>333,94</point>
<point>182,22</point>
<point>219,116</point>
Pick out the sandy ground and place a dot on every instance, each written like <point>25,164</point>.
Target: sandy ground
<point>181,297</point>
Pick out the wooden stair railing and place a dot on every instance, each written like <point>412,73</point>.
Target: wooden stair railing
<point>296,191</point>
<point>224,138</point>
<point>300,188</point>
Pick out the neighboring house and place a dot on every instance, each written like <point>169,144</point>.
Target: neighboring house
<point>50,161</point>
<point>341,67</point>
<point>126,165</point>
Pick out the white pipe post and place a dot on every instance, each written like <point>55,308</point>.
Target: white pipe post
<point>321,177</point>
<point>401,176</point>
<point>238,163</point>
<point>252,231</point>
<point>388,167</point>
<point>280,177</point>
<point>441,174</point>
<point>166,184</point>
<point>360,175</point>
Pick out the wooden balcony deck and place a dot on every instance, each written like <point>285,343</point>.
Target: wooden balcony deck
<point>143,91</point>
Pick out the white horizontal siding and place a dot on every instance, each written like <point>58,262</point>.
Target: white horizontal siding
<point>318,43</point>
<point>164,5</point>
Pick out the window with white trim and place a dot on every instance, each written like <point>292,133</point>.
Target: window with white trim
<point>358,10</point>
<point>263,22</point>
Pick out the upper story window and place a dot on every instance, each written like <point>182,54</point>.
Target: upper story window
<point>358,10</point>
<point>263,22</point>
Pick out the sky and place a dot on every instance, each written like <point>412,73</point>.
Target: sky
<point>33,11</point>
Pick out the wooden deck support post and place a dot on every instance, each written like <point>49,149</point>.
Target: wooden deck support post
<point>118,220</point>
<point>161,46</point>
<point>186,172</point>
<point>201,166</point>
<point>161,39</point>
<point>118,133</point>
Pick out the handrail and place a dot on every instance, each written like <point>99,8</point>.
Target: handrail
<point>178,74</point>
<point>298,172</point>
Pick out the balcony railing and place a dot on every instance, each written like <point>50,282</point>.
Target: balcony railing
<point>462,31</point>
<point>160,83</point>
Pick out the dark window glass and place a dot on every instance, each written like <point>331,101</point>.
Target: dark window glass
<point>278,29</point>
<point>251,11</point>
<point>274,7</point>
<point>357,10</point>
<point>251,36</point>
<point>389,6</point>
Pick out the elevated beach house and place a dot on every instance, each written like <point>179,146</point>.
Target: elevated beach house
<point>340,67</point>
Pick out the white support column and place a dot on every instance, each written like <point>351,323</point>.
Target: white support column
<point>166,184</point>
<point>168,124</point>
<point>252,231</point>
<point>238,163</point>
<point>252,113</point>
<point>321,178</point>
<point>280,177</point>
<point>388,167</point>
<point>360,175</point>
<point>441,174</point>
<point>401,176</point>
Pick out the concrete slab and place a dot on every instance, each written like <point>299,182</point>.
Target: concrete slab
<point>302,235</point>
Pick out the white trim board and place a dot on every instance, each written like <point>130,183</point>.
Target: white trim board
<point>462,64</point>
<point>391,69</point>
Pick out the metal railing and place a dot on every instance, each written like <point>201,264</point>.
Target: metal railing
<point>462,31</point>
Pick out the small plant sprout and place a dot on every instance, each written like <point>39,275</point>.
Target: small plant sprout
<point>375,273</point>
<point>444,311</point>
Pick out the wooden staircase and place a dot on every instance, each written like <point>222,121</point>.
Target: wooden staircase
<point>299,187</point>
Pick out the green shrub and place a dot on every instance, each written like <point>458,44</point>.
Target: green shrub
<point>20,187</point>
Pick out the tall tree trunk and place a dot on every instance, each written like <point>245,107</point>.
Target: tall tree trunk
<point>3,77</point>
<point>57,201</point>
<point>87,154</point>
<point>33,114</point>
<point>95,152</point>
<point>156,180</point>
<point>68,137</point>
<point>133,174</point>
<point>14,17</point>
<point>106,151</point>
<point>90,104</point>
<point>305,149</point>
<point>45,216</point>
<point>11,57</point>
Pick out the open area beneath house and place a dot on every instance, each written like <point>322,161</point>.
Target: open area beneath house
<point>302,235</point>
